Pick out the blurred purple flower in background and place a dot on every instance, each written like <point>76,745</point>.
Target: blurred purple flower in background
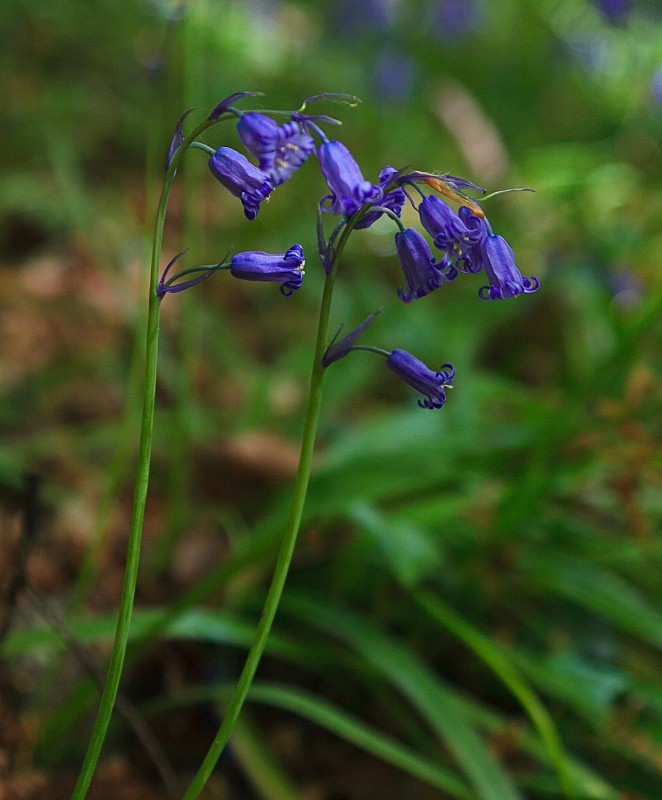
<point>452,19</point>
<point>614,11</point>
<point>394,74</point>
<point>626,288</point>
<point>353,19</point>
<point>656,86</point>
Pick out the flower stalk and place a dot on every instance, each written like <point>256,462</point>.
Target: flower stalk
<point>234,706</point>
<point>118,653</point>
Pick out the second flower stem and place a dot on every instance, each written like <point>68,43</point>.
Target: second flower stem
<point>284,556</point>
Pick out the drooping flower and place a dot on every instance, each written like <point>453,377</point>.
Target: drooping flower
<point>422,272</point>
<point>259,134</point>
<point>394,199</point>
<point>505,278</point>
<point>285,268</point>
<point>291,153</point>
<point>280,149</point>
<point>349,189</point>
<point>241,178</point>
<point>429,383</point>
<point>455,234</point>
<point>339,349</point>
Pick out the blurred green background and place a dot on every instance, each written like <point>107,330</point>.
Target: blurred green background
<point>471,585</point>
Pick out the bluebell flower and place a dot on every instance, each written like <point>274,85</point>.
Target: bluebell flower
<point>259,133</point>
<point>429,383</point>
<point>285,268</point>
<point>455,234</point>
<point>241,178</point>
<point>505,278</point>
<point>394,199</point>
<point>422,272</point>
<point>280,149</point>
<point>349,189</point>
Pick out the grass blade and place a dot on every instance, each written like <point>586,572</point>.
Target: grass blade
<point>507,673</point>
<point>436,702</point>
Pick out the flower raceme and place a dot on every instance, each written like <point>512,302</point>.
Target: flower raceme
<point>286,268</point>
<point>464,237</point>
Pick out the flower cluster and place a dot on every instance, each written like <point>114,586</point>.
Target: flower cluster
<point>463,238</point>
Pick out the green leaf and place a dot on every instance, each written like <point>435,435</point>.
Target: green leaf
<point>257,761</point>
<point>334,719</point>
<point>509,675</point>
<point>410,553</point>
<point>599,590</point>
<point>193,623</point>
<point>435,701</point>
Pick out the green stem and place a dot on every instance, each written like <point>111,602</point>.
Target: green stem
<point>204,147</point>
<point>191,270</point>
<point>286,549</point>
<point>370,349</point>
<point>111,685</point>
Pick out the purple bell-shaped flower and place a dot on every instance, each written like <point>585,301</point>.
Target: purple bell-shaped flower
<point>241,178</point>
